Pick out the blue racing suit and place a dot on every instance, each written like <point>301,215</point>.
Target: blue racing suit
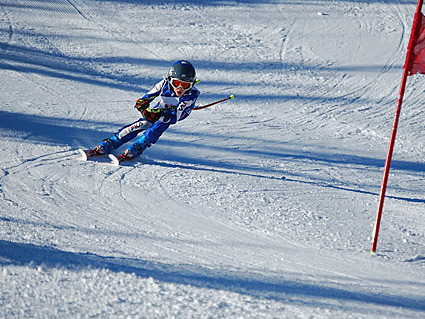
<point>168,109</point>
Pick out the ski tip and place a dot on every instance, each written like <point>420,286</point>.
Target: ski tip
<point>232,97</point>
<point>114,159</point>
<point>83,154</point>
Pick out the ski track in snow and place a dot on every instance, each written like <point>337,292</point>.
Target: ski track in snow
<point>261,207</point>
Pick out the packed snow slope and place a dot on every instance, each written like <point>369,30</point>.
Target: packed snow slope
<point>260,207</point>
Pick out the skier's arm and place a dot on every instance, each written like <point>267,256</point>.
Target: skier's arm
<point>187,105</point>
<point>144,101</point>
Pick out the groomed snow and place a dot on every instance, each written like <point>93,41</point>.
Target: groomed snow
<point>259,207</point>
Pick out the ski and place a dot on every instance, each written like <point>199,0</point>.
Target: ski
<point>83,153</point>
<point>110,159</point>
<point>114,159</point>
<point>100,159</point>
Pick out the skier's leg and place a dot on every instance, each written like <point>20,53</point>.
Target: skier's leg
<point>154,132</point>
<point>150,136</point>
<point>139,145</point>
<point>124,135</point>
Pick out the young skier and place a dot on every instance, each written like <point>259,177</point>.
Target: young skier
<point>177,96</point>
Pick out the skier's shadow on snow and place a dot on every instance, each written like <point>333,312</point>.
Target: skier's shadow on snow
<point>253,284</point>
<point>60,131</point>
<point>282,178</point>
<point>216,166</point>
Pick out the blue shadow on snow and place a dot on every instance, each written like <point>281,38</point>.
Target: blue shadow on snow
<point>20,254</point>
<point>71,132</point>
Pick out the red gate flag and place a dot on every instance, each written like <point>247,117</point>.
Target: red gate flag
<point>415,63</point>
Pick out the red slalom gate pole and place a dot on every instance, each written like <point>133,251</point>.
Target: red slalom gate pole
<point>388,164</point>
<point>413,35</point>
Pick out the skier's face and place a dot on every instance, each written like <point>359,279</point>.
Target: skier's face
<point>180,87</point>
<point>179,91</point>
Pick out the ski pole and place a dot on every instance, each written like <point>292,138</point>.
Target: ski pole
<point>231,97</point>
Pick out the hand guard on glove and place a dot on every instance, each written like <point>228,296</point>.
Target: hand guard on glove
<point>142,104</point>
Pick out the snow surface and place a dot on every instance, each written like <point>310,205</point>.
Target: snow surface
<point>260,207</point>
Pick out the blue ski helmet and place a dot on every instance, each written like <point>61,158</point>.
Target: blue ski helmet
<point>182,70</point>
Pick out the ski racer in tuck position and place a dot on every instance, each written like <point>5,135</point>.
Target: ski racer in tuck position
<point>177,96</point>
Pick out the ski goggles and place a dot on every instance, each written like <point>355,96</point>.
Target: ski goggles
<point>178,83</point>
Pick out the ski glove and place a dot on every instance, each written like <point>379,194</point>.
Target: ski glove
<point>169,116</point>
<point>142,104</point>
<point>150,115</point>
